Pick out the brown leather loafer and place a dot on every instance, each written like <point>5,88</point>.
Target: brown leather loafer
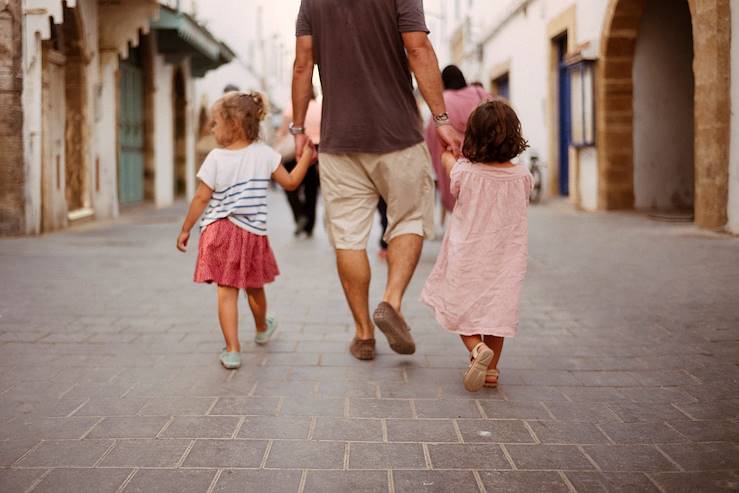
<point>395,329</point>
<point>363,349</point>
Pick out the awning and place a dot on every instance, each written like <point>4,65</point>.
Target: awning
<point>180,36</point>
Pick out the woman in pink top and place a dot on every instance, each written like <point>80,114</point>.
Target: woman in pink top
<point>475,286</point>
<point>460,100</point>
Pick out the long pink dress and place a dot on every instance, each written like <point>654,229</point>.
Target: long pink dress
<point>460,104</point>
<point>475,285</point>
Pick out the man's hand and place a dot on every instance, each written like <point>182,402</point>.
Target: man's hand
<point>182,241</point>
<point>451,138</point>
<point>300,142</point>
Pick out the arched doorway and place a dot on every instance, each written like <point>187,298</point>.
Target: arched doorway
<point>64,133</point>
<point>624,62</point>
<point>179,105</point>
<point>663,109</point>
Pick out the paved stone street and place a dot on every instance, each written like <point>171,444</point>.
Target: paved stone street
<point>624,376</point>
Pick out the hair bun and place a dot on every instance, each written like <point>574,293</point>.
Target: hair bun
<point>261,101</point>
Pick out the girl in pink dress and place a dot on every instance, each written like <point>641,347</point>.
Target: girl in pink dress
<point>234,251</point>
<point>475,286</point>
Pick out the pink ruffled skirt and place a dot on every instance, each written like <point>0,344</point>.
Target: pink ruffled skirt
<point>232,256</point>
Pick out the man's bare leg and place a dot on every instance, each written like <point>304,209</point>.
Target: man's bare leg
<point>403,253</point>
<point>355,274</point>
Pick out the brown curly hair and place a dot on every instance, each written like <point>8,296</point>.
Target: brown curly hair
<point>493,134</point>
<point>243,111</point>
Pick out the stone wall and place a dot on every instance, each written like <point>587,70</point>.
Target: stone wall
<point>712,68</point>
<point>615,114</point>
<point>733,207</point>
<point>12,184</point>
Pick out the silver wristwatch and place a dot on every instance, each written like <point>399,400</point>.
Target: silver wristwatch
<point>295,130</point>
<point>442,119</point>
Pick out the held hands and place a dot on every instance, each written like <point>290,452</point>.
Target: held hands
<point>182,241</point>
<point>451,138</point>
<point>310,148</point>
<point>304,144</point>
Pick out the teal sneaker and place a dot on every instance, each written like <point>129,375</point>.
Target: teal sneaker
<point>230,360</point>
<point>264,337</point>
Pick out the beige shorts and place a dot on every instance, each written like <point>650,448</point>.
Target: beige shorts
<point>351,185</point>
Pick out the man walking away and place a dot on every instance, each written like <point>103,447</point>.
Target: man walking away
<point>372,143</point>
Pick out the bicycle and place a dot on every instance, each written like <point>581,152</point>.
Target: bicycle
<point>535,168</point>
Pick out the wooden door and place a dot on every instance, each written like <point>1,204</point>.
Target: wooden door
<point>53,127</point>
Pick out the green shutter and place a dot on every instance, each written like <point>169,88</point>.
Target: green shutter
<point>131,135</point>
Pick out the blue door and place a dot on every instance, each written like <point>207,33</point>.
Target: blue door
<point>565,117</point>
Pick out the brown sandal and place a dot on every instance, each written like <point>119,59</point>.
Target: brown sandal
<point>395,329</point>
<point>474,378</point>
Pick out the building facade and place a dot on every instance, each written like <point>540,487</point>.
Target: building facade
<point>630,103</point>
<point>97,108</point>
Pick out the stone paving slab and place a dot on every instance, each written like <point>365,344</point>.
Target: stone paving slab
<point>623,377</point>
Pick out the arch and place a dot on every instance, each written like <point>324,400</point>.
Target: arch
<point>711,24</point>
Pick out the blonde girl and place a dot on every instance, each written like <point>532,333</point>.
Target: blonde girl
<point>231,197</point>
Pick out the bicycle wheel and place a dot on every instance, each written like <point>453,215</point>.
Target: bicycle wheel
<point>535,195</point>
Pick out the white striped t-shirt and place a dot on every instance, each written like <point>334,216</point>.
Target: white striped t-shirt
<point>239,179</point>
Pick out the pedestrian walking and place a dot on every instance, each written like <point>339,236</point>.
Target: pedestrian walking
<point>234,250</point>
<point>475,285</point>
<point>303,200</point>
<point>461,100</point>
<point>382,210</point>
<point>371,143</point>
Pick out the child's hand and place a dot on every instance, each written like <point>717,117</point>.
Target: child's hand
<point>311,148</point>
<point>448,161</point>
<point>182,241</point>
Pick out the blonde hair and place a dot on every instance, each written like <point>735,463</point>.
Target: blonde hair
<point>244,110</point>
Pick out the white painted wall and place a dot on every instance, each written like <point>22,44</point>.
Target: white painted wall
<point>32,128</point>
<point>523,43</point>
<point>588,181</point>
<point>733,205</point>
<point>106,130</point>
<point>663,107</point>
<point>163,133</point>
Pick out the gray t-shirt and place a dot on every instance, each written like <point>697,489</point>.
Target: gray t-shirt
<point>368,102</point>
